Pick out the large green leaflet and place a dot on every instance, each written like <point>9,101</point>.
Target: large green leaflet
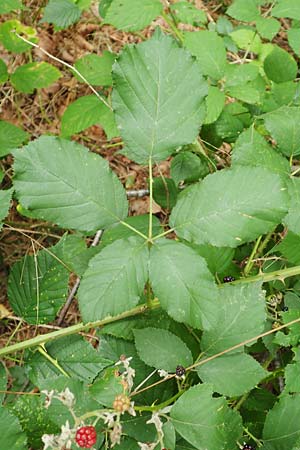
<point>287,8</point>
<point>12,435</point>
<point>34,75</point>
<point>206,422</point>
<point>241,316</point>
<point>5,199</point>
<point>283,125</point>
<point>158,98</point>
<point>115,279</point>
<point>282,427</point>
<point>232,375</point>
<point>132,15</point>
<point>61,13</point>
<point>61,181</point>
<point>10,137</point>
<point>183,284</point>
<point>161,349</point>
<point>230,207</point>
<point>292,219</point>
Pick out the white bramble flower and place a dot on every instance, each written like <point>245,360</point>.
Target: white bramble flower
<point>129,373</point>
<point>162,373</point>
<point>48,440</point>
<point>49,397</point>
<point>147,446</point>
<point>67,398</point>
<point>155,419</point>
<point>115,434</point>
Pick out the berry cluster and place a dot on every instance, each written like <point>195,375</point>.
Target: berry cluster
<point>228,279</point>
<point>86,436</point>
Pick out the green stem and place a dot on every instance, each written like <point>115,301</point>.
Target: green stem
<point>172,26</point>
<point>151,200</point>
<point>271,276</point>
<point>134,229</point>
<point>163,234</point>
<point>44,338</point>
<point>161,405</point>
<point>250,263</point>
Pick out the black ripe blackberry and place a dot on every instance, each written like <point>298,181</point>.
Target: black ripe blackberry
<point>180,371</point>
<point>247,447</point>
<point>228,279</point>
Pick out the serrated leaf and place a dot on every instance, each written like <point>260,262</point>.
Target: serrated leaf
<point>12,435</point>
<point>9,5</point>
<point>34,75</point>
<point>230,207</point>
<point>251,149</point>
<point>161,349</point>
<point>294,39</point>
<point>130,15</point>
<point>61,13</point>
<point>96,69</point>
<point>183,284</point>
<point>245,10</point>
<point>280,66</point>
<point>114,280</point>
<point>72,251</point>
<point>232,375</point>
<point>290,248</point>
<point>71,202</point>
<point>215,102</point>
<point>165,192</point>
<point>147,96</point>
<point>247,40</point>
<point>186,166</point>
<point>206,422</point>
<point>11,41</point>
<point>5,199</point>
<point>287,8</point>
<point>282,124</point>
<point>185,12</point>
<point>292,219</point>
<point>241,316</point>
<point>37,287</point>
<point>218,259</point>
<point>282,428</point>
<point>3,71</point>
<point>86,111</point>
<point>267,27</point>
<point>209,50</point>
<point>73,354</point>
<point>10,137</point>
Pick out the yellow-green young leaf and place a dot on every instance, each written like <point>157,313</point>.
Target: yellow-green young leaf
<point>37,287</point>
<point>183,284</point>
<point>282,428</point>
<point>12,435</point>
<point>161,349</point>
<point>267,27</point>
<point>287,8</point>
<point>283,126</point>
<point>247,40</point>
<point>7,6</point>
<point>34,75</point>
<point>61,13</point>
<point>3,71</point>
<point>230,207</point>
<point>215,102</point>
<point>86,111</point>
<point>158,98</point>
<point>209,50</point>
<point>206,422</point>
<point>241,316</point>
<point>10,137</point>
<point>114,280</point>
<point>61,181</point>
<point>232,375</point>
<point>96,69</point>
<point>280,66</point>
<point>132,15</point>
<point>5,199</point>
<point>245,10</point>
<point>292,219</point>
<point>11,41</point>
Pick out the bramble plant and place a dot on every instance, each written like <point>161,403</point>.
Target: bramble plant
<point>194,319</point>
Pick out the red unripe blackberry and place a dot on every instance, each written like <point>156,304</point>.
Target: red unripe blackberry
<point>86,437</point>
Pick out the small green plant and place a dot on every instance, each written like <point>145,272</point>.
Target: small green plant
<point>197,317</point>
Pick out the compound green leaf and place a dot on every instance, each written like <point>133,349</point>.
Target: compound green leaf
<point>161,349</point>
<point>3,71</point>
<point>230,207</point>
<point>157,107</point>
<point>37,287</point>
<point>183,284</point>
<point>11,41</point>
<point>61,181</point>
<point>292,219</point>
<point>294,39</point>
<point>209,50</point>
<point>287,8</point>
<point>96,69</point>
<point>206,422</point>
<point>232,375</point>
<point>241,316</point>
<point>86,111</point>
<point>12,435</point>
<point>245,10</point>
<point>251,149</point>
<point>114,280</point>
<point>215,102</point>
<point>282,428</point>
<point>185,12</point>
<point>74,355</point>
<point>280,66</point>
<point>131,15</point>
<point>34,75</point>
<point>61,13</point>
<point>9,5</point>
<point>283,126</point>
<point>10,137</point>
<point>5,199</point>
